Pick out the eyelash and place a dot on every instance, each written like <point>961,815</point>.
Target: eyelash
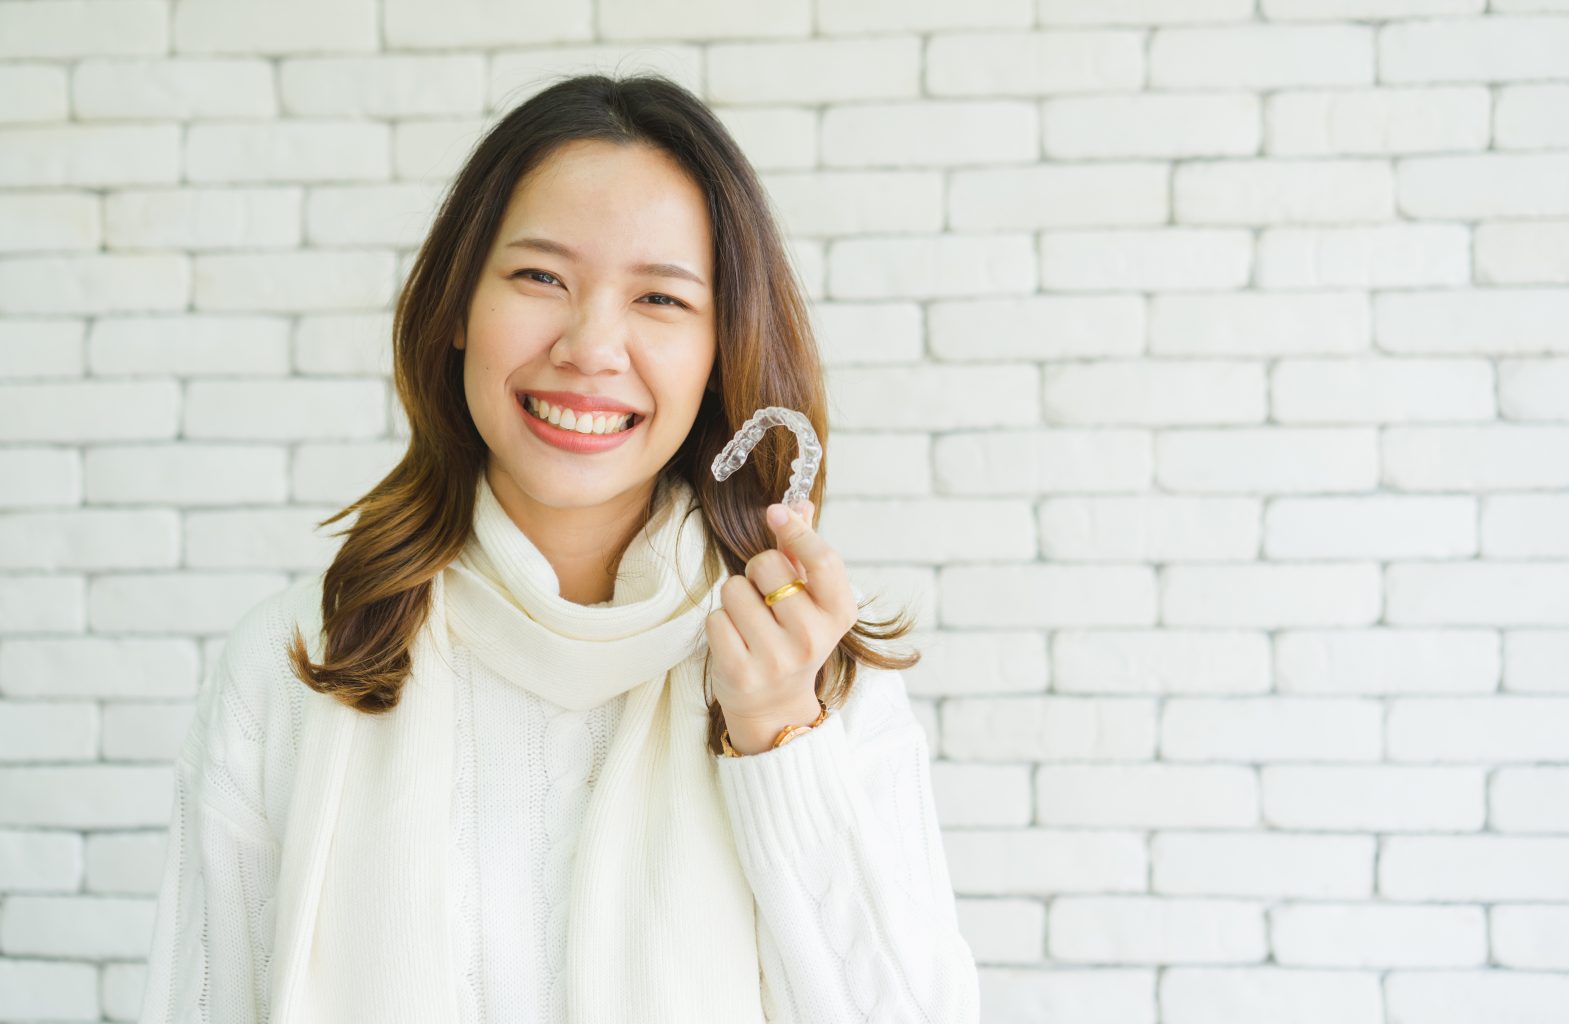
<point>673,300</point>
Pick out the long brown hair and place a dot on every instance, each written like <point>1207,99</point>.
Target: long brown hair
<point>375,594</point>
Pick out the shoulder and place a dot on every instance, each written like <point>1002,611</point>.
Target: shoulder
<point>250,709</point>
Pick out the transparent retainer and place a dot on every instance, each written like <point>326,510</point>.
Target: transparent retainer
<point>803,468</point>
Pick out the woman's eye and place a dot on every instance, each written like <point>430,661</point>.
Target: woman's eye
<point>542,273</point>
<point>672,302</point>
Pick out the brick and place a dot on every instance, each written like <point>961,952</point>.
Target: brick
<point>1142,12</point>
<point>370,215</point>
<point>63,29</point>
<point>1147,930</point>
<point>33,92</point>
<point>1487,321</point>
<point>1381,256</point>
<point>1479,868</point>
<point>144,730</point>
<point>1052,196</point>
<point>1034,63</point>
<point>1047,729</point>
<point>337,473</point>
<point>1530,937</point>
<point>1260,56</point>
<point>1041,461</point>
<point>126,863</point>
<point>1379,527</point>
<point>293,281</point>
<point>1498,48</point>
<point>1529,799</point>
<point>89,156</point>
<point>1270,728</point>
<point>1374,798</point>
<point>858,68</point>
<point>86,411</point>
<point>48,730</point>
<point>930,133</point>
<point>1190,995</point>
<point>1371,121</point>
<point>981,794</point>
<point>184,602</point>
<point>934,397</point>
<point>1478,593</point>
<point>941,530</point>
<point>774,138</point>
<point>1472,729</point>
<point>96,283</point>
<point>1017,861</point>
<point>1174,259</point>
<point>383,86</point>
<point>1523,252</point>
<point>1268,865</point>
<point>1145,796</point>
<point>49,990</point>
<point>87,796</point>
<point>185,474</point>
<point>203,218</point>
<point>77,926</point>
<point>433,150</point>
<point>1525,526</point>
<point>993,662</point>
<point>1386,661</point>
<point>838,203</point>
<point>1480,458</point>
<point>39,221</point>
<point>194,345</point>
<point>1275,460</point>
<point>299,151</point>
<point>275,27</point>
<point>284,410</point>
<point>1003,931</point>
<point>1260,323</point>
<point>1484,186</point>
<point>1046,596</point>
<point>34,603</point>
<point>909,15</point>
<point>1533,389</point>
<point>173,88</point>
<point>37,861</point>
<point>1175,125</point>
<point>38,477</point>
<point>1370,935</point>
<point>37,348</point>
<point>1034,327</point>
<point>938,266</point>
<point>83,666</point>
<point>1368,9</point>
<point>1160,661</point>
<point>1154,392</point>
<point>1270,191</point>
<point>87,539</point>
<point>1532,117</point>
<point>1271,596</point>
<point>1148,528</point>
<point>1534,660</point>
<point>1378,390</point>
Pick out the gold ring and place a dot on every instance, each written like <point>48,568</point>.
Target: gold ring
<point>784,591</point>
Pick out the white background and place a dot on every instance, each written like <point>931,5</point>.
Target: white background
<point>1200,372</point>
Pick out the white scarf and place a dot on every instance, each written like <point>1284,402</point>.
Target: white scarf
<point>661,916</point>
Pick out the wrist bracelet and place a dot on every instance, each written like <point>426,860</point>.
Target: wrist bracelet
<point>786,734</point>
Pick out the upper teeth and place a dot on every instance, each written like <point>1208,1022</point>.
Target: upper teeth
<point>582,422</point>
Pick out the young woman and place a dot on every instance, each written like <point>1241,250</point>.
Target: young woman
<point>569,730</point>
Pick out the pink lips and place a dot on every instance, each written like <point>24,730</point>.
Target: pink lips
<point>571,440</point>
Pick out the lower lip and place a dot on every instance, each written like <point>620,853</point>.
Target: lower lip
<point>573,441</point>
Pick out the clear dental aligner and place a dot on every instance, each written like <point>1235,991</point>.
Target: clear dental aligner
<point>803,468</point>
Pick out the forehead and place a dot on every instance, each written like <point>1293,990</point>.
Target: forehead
<point>611,203</point>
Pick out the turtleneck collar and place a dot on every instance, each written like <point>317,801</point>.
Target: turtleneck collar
<point>503,601</point>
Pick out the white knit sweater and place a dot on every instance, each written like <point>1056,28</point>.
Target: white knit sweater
<point>857,926</point>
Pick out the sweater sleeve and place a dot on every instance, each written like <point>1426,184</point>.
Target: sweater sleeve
<point>837,833</point>
<point>209,955</point>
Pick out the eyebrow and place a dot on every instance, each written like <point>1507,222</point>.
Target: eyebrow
<point>653,269</point>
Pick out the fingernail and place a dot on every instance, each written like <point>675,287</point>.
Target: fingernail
<point>776,515</point>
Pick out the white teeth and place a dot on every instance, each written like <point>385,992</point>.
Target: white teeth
<point>582,423</point>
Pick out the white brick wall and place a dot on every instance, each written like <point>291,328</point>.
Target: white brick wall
<point>1200,373</point>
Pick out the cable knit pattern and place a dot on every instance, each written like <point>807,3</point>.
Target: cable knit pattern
<point>836,831</point>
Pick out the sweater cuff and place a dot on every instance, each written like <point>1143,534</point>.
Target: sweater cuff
<point>793,800</point>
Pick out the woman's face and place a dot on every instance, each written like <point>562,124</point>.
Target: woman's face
<point>600,282</point>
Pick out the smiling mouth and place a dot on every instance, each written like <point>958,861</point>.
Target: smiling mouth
<point>632,419</point>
